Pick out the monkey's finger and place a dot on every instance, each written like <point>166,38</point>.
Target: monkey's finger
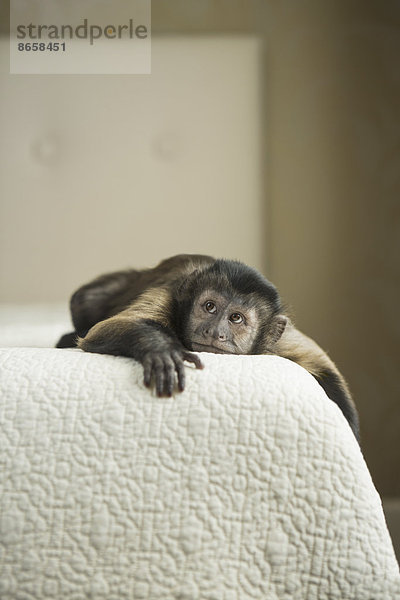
<point>193,358</point>
<point>159,376</point>
<point>158,372</point>
<point>147,372</point>
<point>169,373</point>
<point>180,370</point>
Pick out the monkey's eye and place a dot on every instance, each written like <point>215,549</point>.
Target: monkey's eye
<point>210,307</point>
<point>236,318</point>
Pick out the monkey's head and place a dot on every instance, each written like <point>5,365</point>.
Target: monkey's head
<point>229,308</point>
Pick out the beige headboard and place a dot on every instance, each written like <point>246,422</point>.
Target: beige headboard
<point>105,172</point>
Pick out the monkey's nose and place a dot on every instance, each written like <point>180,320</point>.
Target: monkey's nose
<point>215,334</point>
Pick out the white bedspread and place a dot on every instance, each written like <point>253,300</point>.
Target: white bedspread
<point>36,325</point>
<point>249,485</point>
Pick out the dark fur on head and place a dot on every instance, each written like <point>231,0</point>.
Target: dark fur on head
<point>231,276</point>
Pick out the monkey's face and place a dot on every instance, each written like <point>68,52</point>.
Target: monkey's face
<point>221,324</point>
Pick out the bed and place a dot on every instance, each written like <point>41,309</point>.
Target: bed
<point>248,485</point>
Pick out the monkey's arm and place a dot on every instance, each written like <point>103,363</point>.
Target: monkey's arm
<point>142,332</point>
<point>111,293</point>
<point>301,349</point>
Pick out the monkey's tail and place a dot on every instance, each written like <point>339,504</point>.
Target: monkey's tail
<point>336,389</point>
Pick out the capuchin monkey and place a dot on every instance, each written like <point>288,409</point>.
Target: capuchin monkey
<point>194,303</point>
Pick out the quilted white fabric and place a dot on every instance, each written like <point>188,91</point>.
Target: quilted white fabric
<point>249,485</point>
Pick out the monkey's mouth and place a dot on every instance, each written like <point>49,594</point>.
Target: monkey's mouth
<point>206,348</point>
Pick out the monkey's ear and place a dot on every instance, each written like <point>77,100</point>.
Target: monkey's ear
<point>278,327</point>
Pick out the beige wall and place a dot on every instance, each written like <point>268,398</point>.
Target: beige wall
<point>334,189</point>
<point>101,173</point>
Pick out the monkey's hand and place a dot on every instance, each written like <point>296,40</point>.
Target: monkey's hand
<point>162,366</point>
<point>157,347</point>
